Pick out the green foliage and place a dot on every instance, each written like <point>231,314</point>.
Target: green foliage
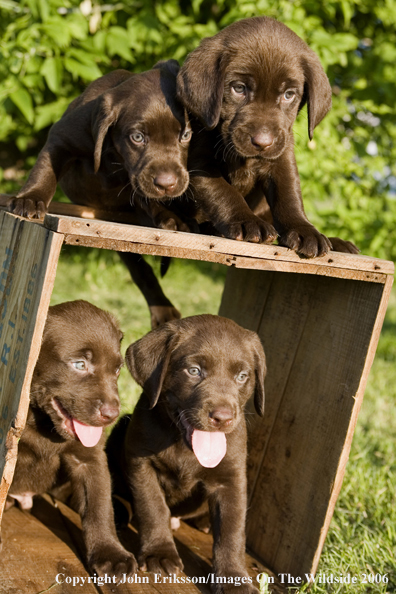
<point>51,49</point>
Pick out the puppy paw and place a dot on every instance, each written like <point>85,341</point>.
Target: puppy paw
<point>340,245</point>
<point>113,560</point>
<point>162,559</point>
<point>306,241</point>
<point>163,313</point>
<point>254,230</point>
<point>168,220</point>
<point>25,207</point>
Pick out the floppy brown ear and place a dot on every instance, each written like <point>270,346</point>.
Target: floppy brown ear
<point>148,359</point>
<point>260,371</point>
<point>200,82</point>
<point>317,91</point>
<point>103,116</point>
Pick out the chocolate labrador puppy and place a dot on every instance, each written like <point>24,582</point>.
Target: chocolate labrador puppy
<point>73,396</point>
<point>120,146</point>
<point>185,443</point>
<point>247,84</point>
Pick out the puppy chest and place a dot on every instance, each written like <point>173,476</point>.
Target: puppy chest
<point>178,483</point>
<point>34,474</point>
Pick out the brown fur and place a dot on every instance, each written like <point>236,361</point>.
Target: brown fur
<point>90,151</point>
<point>247,84</point>
<point>50,456</point>
<point>150,458</point>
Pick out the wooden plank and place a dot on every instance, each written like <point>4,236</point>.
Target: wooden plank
<point>34,554</point>
<point>226,259</point>
<point>190,241</point>
<point>28,259</point>
<point>320,336</point>
<point>336,488</point>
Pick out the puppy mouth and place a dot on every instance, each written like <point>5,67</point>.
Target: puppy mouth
<point>209,447</point>
<point>88,435</point>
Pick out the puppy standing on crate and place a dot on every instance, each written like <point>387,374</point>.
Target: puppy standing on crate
<point>184,446</point>
<point>120,147</point>
<point>246,86</point>
<point>73,397</point>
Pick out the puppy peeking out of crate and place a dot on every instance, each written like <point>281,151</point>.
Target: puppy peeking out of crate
<point>61,451</point>
<point>184,447</point>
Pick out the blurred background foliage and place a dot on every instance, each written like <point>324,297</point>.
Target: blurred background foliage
<point>51,49</point>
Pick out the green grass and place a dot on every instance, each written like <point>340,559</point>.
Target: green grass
<point>362,535</point>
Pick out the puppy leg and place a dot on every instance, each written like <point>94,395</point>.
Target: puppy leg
<point>161,309</point>
<point>158,552</point>
<point>229,212</point>
<point>92,499</point>
<point>228,512</point>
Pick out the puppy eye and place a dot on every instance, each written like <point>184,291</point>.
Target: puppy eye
<point>239,88</point>
<point>242,377</point>
<point>186,136</point>
<point>80,365</point>
<point>194,371</point>
<point>137,137</point>
<point>289,95</point>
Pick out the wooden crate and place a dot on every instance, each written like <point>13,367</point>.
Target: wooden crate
<point>319,321</point>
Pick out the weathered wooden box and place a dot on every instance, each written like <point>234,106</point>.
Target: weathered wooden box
<point>319,321</point>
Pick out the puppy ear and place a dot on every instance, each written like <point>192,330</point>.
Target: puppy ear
<point>103,116</point>
<point>148,360</point>
<point>171,65</point>
<point>317,91</point>
<point>200,82</point>
<point>260,371</point>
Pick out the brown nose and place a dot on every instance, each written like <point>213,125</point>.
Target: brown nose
<point>221,417</point>
<point>165,181</point>
<point>262,140</point>
<point>109,412</point>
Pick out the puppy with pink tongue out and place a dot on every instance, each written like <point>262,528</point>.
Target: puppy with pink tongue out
<point>184,446</point>
<point>61,451</point>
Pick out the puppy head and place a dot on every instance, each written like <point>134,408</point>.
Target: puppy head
<point>75,378</point>
<point>203,369</point>
<point>254,77</point>
<point>149,130</point>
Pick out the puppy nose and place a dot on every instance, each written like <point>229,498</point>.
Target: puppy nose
<point>221,417</point>
<point>165,181</point>
<point>262,140</point>
<point>109,412</point>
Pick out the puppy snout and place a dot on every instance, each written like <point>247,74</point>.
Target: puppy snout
<point>109,412</point>
<point>262,140</point>
<point>221,417</point>
<point>165,181</point>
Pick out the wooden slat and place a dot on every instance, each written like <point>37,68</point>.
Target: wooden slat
<point>320,335</point>
<point>28,259</point>
<point>49,541</point>
<point>34,554</point>
<point>189,241</point>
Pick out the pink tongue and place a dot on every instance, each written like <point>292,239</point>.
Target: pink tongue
<point>209,447</point>
<point>89,436</point>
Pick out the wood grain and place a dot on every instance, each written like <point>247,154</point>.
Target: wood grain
<point>116,232</point>
<point>28,259</point>
<point>320,336</point>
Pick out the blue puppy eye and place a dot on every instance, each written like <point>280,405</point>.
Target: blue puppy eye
<point>195,371</point>
<point>289,95</point>
<point>242,377</point>
<point>186,135</point>
<point>137,137</point>
<point>239,88</point>
<point>80,365</point>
